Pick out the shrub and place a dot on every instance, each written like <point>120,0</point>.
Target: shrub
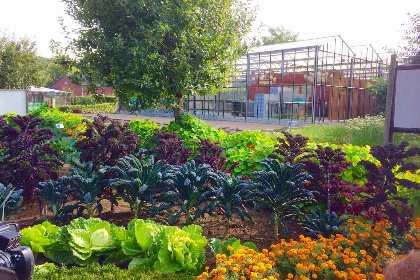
<point>248,148</point>
<point>104,144</point>
<point>73,124</point>
<point>90,109</point>
<point>49,271</point>
<point>188,128</point>
<point>93,99</point>
<point>27,158</point>
<point>143,129</point>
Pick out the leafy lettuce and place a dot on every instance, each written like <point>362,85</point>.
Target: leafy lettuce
<point>165,248</point>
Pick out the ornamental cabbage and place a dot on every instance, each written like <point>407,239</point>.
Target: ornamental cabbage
<point>87,239</point>
<point>39,237</point>
<point>165,248</point>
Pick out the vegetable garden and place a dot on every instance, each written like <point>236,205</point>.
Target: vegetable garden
<point>187,201</point>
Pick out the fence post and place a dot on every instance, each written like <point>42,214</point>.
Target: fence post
<point>389,116</point>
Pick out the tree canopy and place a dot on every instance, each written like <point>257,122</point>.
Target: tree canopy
<point>277,35</point>
<point>21,67</point>
<point>158,51</point>
<point>410,51</point>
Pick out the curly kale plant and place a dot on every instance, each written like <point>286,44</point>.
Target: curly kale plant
<point>227,196</point>
<point>10,201</point>
<point>26,157</point>
<point>169,147</point>
<point>56,194</point>
<point>326,171</point>
<point>323,223</point>
<point>137,181</point>
<point>280,188</point>
<point>88,186</point>
<point>211,153</point>
<point>104,144</point>
<point>190,187</point>
<point>292,149</point>
<point>382,199</point>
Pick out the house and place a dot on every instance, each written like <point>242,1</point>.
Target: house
<point>65,84</point>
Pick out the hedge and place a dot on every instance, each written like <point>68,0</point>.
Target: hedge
<point>91,100</point>
<point>90,109</point>
<point>107,272</point>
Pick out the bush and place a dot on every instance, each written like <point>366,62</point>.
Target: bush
<point>189,127</point>
<point>249,148</point>
<point>143,129</point>
<point>93,99</point>
<point>49,271</point>
<point>91,108</point>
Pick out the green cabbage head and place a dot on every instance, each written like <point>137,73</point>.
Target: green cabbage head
<point>87,239</point>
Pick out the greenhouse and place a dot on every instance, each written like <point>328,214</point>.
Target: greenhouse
<point>315,80</point>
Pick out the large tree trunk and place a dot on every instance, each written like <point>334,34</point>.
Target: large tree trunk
<point>179,109</point>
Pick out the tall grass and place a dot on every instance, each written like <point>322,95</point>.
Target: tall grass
<point>358,131</point>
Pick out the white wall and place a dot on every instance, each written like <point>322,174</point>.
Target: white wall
<point>407,99</point>
<point>13,101</point>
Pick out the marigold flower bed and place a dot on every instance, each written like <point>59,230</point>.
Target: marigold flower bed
<point>361,255</point>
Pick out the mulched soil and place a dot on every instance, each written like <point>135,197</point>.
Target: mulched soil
<point>259,232</point>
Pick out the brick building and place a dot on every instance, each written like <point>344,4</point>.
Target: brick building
<point>65,84</point>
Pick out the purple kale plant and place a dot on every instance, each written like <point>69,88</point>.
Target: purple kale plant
<point>104,144</point>
<point>326,170</point>
<point>382,200</point>
<point>26,157</point>
<point>292,149</point>
<point>169,147</point>
<point>211,154</point>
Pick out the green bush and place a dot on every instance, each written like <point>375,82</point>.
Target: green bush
<point>143,129</point>
<point>49,271</point>
<point>91,108</point>
<point>249,148</point>
<point>189,127</point>
<point>91,100</point>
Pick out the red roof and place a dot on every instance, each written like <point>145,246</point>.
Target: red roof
<point>65,84</point>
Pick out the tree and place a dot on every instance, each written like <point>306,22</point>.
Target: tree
<point>277,35</point>
<point>19,64</point>
<point>378,90</point>
<point>51,70</point>
<point>410,51</point>
<point>158,51</point>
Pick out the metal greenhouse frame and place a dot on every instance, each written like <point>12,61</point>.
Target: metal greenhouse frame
<point>314,80</point>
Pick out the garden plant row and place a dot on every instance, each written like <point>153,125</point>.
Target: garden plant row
<point>344,197</point>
